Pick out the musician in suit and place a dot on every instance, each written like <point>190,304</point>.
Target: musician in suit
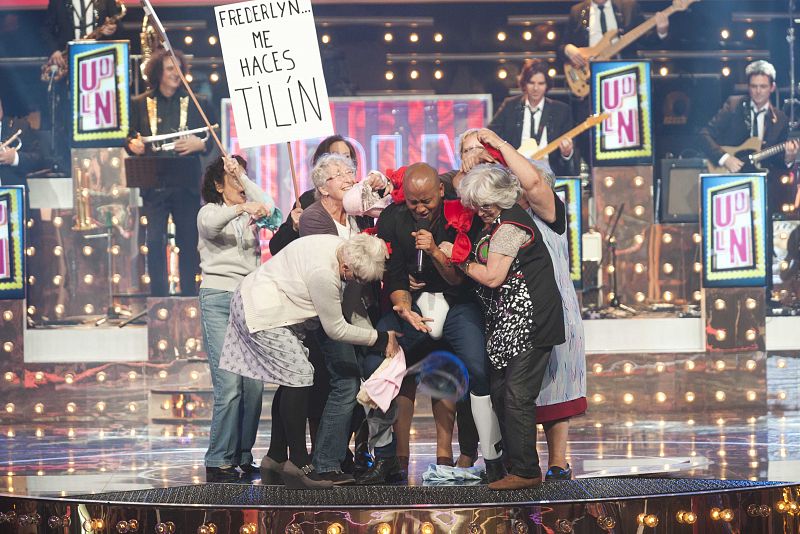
<point>748,116</point>
<point>68,20</point>
<point>16,164</point>
<point>533,115</point>
<point>167,108</point>
<point>589,20</point>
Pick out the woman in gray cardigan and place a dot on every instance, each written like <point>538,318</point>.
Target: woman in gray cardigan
<point>229,251</point>
<point>299,289</point>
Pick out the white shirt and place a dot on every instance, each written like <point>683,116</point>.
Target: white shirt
<point>595,33</point>
<point>759,121</point>
<point>537,117</point>
<point>82,18</point>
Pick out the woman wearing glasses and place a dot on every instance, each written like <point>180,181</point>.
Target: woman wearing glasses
<point>333,175</point>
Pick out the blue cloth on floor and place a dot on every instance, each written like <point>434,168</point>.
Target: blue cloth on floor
<point>443,474</point>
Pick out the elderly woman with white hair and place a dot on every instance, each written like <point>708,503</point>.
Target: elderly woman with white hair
<point>523,313</point>
<point>270,312</point>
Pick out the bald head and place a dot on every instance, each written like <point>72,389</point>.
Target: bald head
<point>423,190</point>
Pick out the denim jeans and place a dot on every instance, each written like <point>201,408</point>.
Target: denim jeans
<point>333,436</point>
<point>237,400</point>
<point>463,332</point>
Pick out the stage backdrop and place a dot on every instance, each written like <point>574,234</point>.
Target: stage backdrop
<point>387,132</point>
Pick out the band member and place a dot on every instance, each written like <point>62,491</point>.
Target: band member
<point>17,160</point>
<point>534,116</point>
<point>68,20</point>
<point>589,20</point>
<point>748,116</point>
<point>166,108</point>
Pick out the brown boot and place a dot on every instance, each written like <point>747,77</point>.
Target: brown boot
<point>514,482</point>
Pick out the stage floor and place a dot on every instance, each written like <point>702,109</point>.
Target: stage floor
<point>69,459</point>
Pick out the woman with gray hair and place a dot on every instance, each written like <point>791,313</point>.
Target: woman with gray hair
<point>522,309</point>
<point>299,287</point>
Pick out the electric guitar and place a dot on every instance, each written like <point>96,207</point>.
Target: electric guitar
<point>531,150</point>
<point>750,153</point>
<point>578,78</point>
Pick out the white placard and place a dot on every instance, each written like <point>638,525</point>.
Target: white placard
<point>274,71</point>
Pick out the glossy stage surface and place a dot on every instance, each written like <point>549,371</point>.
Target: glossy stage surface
<point>69,459</point>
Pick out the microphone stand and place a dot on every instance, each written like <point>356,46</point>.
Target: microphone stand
<point>792,80</point>
<point>53,120</point>
<point>611,243</point>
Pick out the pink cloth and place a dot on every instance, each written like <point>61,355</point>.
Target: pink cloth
<point>384,384</point>
<point>362,200</point>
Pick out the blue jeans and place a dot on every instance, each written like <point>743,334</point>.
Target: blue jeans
<point>463,331</point>
<point>333,435</point>
<point>237,400</point>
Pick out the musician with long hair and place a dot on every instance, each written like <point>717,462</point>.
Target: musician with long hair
<point>163,109</point>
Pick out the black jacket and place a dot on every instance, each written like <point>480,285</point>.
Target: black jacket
<point>731,127</point>
<point>59,29</point>
<point>30,158</point>
<point>557,117</point>
<point>576,30</point>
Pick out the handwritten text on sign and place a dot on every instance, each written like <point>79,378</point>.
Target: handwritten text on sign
<point>620,99</point>
<point>274,71</point>
<point>98,92</point>
<point>732,220</point>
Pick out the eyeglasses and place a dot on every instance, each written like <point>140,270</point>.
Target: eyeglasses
<point>348,173</point>
<point>467,150</point>
<point>486,208</point>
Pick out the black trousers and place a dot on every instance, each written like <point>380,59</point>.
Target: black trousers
<point>514,392</point>
<point>183,203</point>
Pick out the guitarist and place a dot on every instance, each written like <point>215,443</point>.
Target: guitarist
<point>588,21</point>
<point>743,117</point>
<point>533,115</point>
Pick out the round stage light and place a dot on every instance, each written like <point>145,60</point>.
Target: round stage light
<point>502,36</point>
<point>639,296</point>
<point>750,334</point>
<point>388,37</point>
<point>721,334</point>
<point>438,37</point>
<point>426,528</point>
<point>389,75</point>
<point>628,398</point>
<point>666,238</point>
<point>661,397</point>
<point>10,407</point>
<point>750,365</point>
<point>660,367</point>
<point>749,33</point>
<point>527,35</point>
<point>725,33</point>
<point>326,39</point>
<point>413,37</point>
<point>668,296</point>
<point>668,268</point>
<point>87,250</point>
<point>689,396</point>
<point>720,395</point>
<point>551,35</point>
<point>638,210</point>
<point>438,74</point>
<point>608,181</point>
<point>383,528</point>
<point>720,365</point>
<point>38,408</point>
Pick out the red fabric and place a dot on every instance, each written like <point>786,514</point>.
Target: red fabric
<point>396,177</point>
<point>459,218</point>
<point>374,231</point>
<point>495,154</point>
<point>561,410</point>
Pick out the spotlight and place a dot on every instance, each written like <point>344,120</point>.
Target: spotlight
<point>413,37</point>
<point>749,33</point>
<point>213,77</point>
<point>212,40</point>
<point>724,34</point>
<point>501,36</point>
<point>389,75</point>
<point>551,35</point>
<point>527,35</point>
<point>438,74</point>
<point>551,72</point>
<point>502,73</point>
<point>438,37</point>
<point>414,74</point>
<point>726,71</point>
<point>189,78</point>
<point>188,39</point>
<point>388,37</point>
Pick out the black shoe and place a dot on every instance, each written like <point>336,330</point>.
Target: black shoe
<point>249,469</point>
<point>557,473</point>
<point>495,470</point>
<point>222,474</point>
<point>362,460</point>
<point>337,477</point>
<point>383,471</point>
<point>348,464</point>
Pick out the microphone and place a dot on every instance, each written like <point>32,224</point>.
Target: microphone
<point>422,224</point>
<point>53,72</point>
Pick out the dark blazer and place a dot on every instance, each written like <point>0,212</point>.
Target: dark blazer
<point>576,30</point>
<point>58,28</point>
<point>731,127</point>
<point>30,158</point>
<point>557,117</point>
<point>316,220</point>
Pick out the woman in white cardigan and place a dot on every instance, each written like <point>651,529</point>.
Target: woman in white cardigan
<point>229,251</point>
<point>298,289</point>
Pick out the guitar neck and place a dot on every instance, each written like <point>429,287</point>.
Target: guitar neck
<point>553,145</point>
<point>631,36</point>
<point>768,152</point>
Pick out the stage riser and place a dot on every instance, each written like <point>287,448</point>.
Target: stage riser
<point>743,511</point>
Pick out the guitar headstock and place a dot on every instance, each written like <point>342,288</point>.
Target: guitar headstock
<point>682,5</point>
<point>594,120</point>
